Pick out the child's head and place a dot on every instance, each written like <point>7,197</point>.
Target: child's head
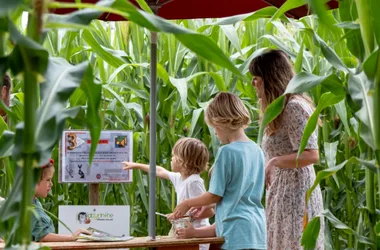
<point>190,156</point>
<point>5,92</point>
<point>227,112</point>
<point>45,183</point>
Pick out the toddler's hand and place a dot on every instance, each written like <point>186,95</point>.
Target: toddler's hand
<point>181,210</point>
<point>184,233</point>
<point>197,212</point>
<point>128,165</point>
<point>170,217</point>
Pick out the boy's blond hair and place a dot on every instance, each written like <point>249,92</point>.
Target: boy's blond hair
<point>227,112</point>
<point>192,154</point>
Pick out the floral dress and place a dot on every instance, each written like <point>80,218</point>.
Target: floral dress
<point>285,199</point>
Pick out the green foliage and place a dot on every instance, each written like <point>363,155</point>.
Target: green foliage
<point>8,6</point>
<point>310,235</point>
<point>97,78</point>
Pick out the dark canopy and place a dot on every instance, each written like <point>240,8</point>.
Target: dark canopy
<point>191,9</point>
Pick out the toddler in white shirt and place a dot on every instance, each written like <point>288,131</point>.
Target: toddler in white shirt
<point>189,159</point>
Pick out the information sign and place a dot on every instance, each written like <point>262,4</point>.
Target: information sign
<point>113,148</point>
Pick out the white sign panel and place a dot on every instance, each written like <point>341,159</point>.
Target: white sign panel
<point>111,219</point>
<point>113,148</point>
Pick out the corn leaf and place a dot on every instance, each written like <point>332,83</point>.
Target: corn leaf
<point>311,233</point>
<point>327,99</point>
<point>3,126</point>
<point>93,92</point>
<point>231,34</point>
<point>326,18</point>
<point>61,81</point>
<point>7,143</point>
<point>304,82</point>
<point>331,150</point>
<point>194,120</point>
<point>341,109</point>
<point>299,59</point>
<point>374,6</point>
<point>359,87</point>
<point>272,111</point>
<point>144,6</point>
<point>181,86</point>
<point>327,51</point>
<point>8,6</point>
<point>266,12</point>
<point>26,51</point>
<point>77,19</point>
<point>286,6</point>
<point>348,14</point>
<point>341,226</point>
<point>371,64</point>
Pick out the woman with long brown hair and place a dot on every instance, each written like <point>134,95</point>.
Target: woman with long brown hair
<point>286,181</point>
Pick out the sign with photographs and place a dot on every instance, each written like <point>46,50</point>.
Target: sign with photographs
<point>111,219</point>
<point>113,148</point>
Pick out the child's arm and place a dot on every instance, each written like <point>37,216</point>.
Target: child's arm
<point>191,232</point>
<point>203,212</point>
<point>64,237</point>
<point>58,238</point>
<point>202,200</point>
<point>160,171</point>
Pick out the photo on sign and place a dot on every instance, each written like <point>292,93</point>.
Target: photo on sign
<point>113,148</point>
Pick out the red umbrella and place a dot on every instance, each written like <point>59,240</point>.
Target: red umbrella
<point>187,9</point>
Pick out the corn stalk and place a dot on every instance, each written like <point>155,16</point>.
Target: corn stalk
<point>369,39</point>
<point>31,104</point>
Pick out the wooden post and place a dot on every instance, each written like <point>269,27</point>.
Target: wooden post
<point>93,193</point>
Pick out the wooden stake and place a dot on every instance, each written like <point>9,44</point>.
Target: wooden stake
<point>93,193</point>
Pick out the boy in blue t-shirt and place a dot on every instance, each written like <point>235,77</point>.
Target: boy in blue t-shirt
<point>237,182</point>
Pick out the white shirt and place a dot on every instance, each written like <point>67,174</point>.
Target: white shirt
<point>191,187</point>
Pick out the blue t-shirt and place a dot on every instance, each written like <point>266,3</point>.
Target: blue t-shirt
<point>238,177</point>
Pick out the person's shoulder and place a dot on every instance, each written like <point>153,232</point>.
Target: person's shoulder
<point>298,106</point>
<point>240,145</point>
<point>238,148</point>
<point>174,175</point>
<point>196,176</point>
<point>223,150</point>
<point>36,202</point>
<point>227,149</point>
<point>195,179</point>
<point>224,153</point>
